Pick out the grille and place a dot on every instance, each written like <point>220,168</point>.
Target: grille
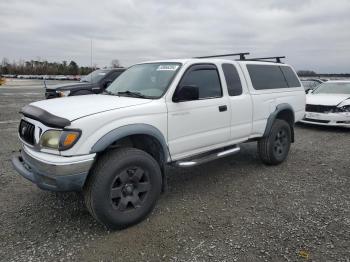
<point>26,131</point>
<point>319,108</point>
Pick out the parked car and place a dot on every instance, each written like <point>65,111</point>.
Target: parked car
<point>94,83</point>
<point>115,146</point>
<point>61,77</point>
<point>311,84</point>
<point>329,104</point>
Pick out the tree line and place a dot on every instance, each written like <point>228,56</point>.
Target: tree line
<point>34,67</point>
<point>309,73</point>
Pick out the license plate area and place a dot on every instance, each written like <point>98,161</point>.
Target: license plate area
<point>313,115</point>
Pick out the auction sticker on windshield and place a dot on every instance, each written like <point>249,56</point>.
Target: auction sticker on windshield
<point>167,67</point>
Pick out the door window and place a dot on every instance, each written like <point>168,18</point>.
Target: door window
<point>206,78</point>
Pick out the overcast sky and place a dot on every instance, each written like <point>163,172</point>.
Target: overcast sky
<point>312,34</point>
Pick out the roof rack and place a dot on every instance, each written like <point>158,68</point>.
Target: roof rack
<point>241,55</point>
<point>262,59</point>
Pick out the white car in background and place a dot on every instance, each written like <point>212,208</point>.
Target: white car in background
<point>329,104</point>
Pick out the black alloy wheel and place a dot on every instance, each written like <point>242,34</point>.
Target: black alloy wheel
<point>273,149</point>
<point>130,188</point>
<point>123,187</point>
<point>281,142</point>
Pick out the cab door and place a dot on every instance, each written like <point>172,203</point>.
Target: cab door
<point>202,124</point>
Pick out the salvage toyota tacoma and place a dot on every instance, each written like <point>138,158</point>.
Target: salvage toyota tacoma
<point>115,146</point>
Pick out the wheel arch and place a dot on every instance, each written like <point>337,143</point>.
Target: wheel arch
<point>132,130</point>
<point>142,136</point>
<point>285,112</point>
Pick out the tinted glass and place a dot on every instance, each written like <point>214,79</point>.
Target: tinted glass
<point>207,81</point>
<point>114,75</point>
<point>266,77</point>
<point>292,79</point>
<point>233,81</point>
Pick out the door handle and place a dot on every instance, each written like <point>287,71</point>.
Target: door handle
<point>223,108</point>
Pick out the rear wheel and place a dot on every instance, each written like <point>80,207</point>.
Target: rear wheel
<point>274,148</point>
<point>123,187</point>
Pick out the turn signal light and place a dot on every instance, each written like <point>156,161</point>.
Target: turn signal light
<point>70,139</point>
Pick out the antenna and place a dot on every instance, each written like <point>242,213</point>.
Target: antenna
<point>241,55</point>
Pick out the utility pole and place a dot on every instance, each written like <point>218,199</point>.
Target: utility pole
<point>91,57</point>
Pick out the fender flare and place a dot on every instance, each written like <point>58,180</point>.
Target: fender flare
<point>271,119</point>
<point>128,130</point>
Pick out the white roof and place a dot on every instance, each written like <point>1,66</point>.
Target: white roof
<point>210,60</point>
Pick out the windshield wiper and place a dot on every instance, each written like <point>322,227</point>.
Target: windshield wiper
<point>108,93</point>
<point>131,93</point>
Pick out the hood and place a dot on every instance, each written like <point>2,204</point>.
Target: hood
<point>326,99</point>
<point>70,86</point>
<point>74,107</point>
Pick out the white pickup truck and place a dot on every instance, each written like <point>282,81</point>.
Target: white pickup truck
<point>115,146</point>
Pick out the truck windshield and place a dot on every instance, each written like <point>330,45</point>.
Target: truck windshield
<point>333,88</point>
<point>94,76</point>
<point>149,80</point>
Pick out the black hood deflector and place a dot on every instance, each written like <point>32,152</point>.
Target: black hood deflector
<point>44,117</point>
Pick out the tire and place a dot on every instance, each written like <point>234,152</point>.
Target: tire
<point>123,187</point>
<point>273,149</point>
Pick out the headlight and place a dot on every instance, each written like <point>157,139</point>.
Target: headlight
<point>50,139</point>
<point>63,93</point>
<point>59,140</point>
<point>344,108</point>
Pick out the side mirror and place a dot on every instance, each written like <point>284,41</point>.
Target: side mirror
<point>186,93</point>
<point>309,91</point>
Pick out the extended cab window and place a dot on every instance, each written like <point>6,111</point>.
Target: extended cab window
<point>266,77</point>
<point>233,82</point>
<point>291,78</point>
<point>272,76</point>
<point>206,78</point>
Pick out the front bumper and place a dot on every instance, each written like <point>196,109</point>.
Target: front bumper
<point>56,173</point>
<point>329,119</point>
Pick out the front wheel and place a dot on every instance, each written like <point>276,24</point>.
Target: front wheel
<point>274,148</point>
<point>123,187</point>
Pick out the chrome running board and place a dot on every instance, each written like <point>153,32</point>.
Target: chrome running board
<point>200,159</point>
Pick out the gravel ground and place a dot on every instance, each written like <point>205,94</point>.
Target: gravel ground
<point>233,209</point>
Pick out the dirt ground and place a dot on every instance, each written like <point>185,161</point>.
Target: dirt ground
<point>233,209</point>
